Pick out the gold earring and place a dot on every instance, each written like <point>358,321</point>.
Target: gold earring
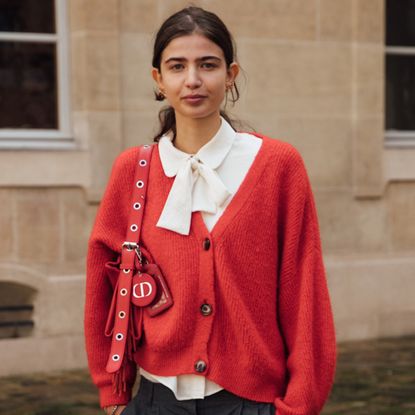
<point>160,95</point>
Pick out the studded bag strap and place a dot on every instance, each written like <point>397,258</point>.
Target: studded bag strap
<point>130,248</point>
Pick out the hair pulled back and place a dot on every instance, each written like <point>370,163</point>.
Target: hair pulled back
<point>185,22</point>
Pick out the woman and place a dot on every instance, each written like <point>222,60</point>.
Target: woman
<point>231,222</point>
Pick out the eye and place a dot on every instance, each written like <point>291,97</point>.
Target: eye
<point>209,65</point>
<point>176,67</point>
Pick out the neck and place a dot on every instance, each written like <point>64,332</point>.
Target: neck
<point>192,134</point>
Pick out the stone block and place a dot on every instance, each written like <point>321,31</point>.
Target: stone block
<point>102,85</point>
<point>80,129</point>
<point>399,164</point>
<point>79,78</point>
<point>39,234</point>
<point>370,99</point>
<point>92,210</point>
<point>138,16</point>
<point>370,80</point>
<point>324,143</point>
<point>105,138</point>
<point>372,296</point>
<point>400,198</point>
<point>292,79</point>
<point>54,353</point>
<point>277,19</point>
<point>93,15</point>
<point>137,83</point>
<point>335,20</point>
<point>351,226</point>
<point>75,223</point>
<point>139,128</point>
<point>7,223</point>
<point>77,15</point>
<point>61,306</point>
<point>44,168</point>
<point>397,324</point>
<point>167,8</point>
<point>368,157</point>
<point>369,21</point>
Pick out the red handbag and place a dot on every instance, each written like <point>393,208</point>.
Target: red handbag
<point>138,282</point>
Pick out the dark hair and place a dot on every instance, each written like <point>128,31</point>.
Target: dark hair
<point>185,22</point>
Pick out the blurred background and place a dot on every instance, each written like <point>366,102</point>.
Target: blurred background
<point>336,78</point>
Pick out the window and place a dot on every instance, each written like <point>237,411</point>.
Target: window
<point>400,72</point>
<point>16,310</point>
<point>34,98</point>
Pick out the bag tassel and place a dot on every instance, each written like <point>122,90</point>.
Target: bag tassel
<point>119,378</point>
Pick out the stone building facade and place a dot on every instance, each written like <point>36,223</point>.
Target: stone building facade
<point>314,75</point>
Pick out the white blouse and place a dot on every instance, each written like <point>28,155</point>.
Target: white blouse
<point>206,182</point>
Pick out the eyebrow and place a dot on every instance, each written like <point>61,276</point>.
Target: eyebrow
<point>182,59</point>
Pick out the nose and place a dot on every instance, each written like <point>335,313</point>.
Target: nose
<point>193,80</point>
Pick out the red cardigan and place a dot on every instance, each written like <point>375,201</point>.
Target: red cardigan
<point>270,336</point>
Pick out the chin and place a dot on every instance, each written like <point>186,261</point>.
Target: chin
<point>198,115</point>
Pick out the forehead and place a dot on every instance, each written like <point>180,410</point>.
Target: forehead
<point>191,47</point>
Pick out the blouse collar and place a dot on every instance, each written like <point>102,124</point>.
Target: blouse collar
<point>197,186</point>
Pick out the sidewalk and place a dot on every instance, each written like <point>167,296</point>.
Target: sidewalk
<point>373,378</point>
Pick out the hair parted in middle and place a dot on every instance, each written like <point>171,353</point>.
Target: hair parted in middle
<point>188,21</point>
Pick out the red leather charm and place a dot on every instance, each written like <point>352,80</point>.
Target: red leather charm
<point>144,290</point>
<point>164,300</point>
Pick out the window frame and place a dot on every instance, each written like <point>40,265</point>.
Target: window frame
<point>61,138</point>
<point>398,138</point>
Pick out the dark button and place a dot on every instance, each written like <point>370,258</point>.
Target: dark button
<point>206,244</point>
<point>206,309</point>
<point>200,366</point>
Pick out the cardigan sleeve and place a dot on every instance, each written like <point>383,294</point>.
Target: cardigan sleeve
<point>304,308</point>
<point>106,236</point>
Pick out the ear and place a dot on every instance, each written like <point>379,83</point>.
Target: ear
<point>155,73</point>
<point>232,72</point>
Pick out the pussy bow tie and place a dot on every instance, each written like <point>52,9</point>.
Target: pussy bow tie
<point>197,186</point>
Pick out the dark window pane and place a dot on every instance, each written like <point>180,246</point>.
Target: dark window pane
<point>37,16</point>
<point>28,90</point>
<point>400,92</point>
<point>400,22</point>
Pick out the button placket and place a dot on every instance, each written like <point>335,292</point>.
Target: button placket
<point>206,304</point>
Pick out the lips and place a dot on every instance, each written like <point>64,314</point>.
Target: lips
<point>194,99</point>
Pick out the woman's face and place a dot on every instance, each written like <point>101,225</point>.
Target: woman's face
<point>193,76</point>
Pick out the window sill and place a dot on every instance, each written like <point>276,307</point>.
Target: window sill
<point>399,162</point>
<point>51,164</point>
<point>42,145</point>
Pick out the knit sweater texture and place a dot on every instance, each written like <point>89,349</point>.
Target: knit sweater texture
<point>271,335</point>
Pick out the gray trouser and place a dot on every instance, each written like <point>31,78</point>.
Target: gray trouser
<point>157,399</point>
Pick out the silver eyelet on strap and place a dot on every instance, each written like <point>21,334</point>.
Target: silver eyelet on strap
<point>121,314</point>
<point>146,145</point>
<point>124,292</point>
<point>126,271</point>
<point>142,163</point>
<point>137,206</point>
<point>134,227</point>
<point>140,184</point>
<point>115,357</point>
<point>119,336</point>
